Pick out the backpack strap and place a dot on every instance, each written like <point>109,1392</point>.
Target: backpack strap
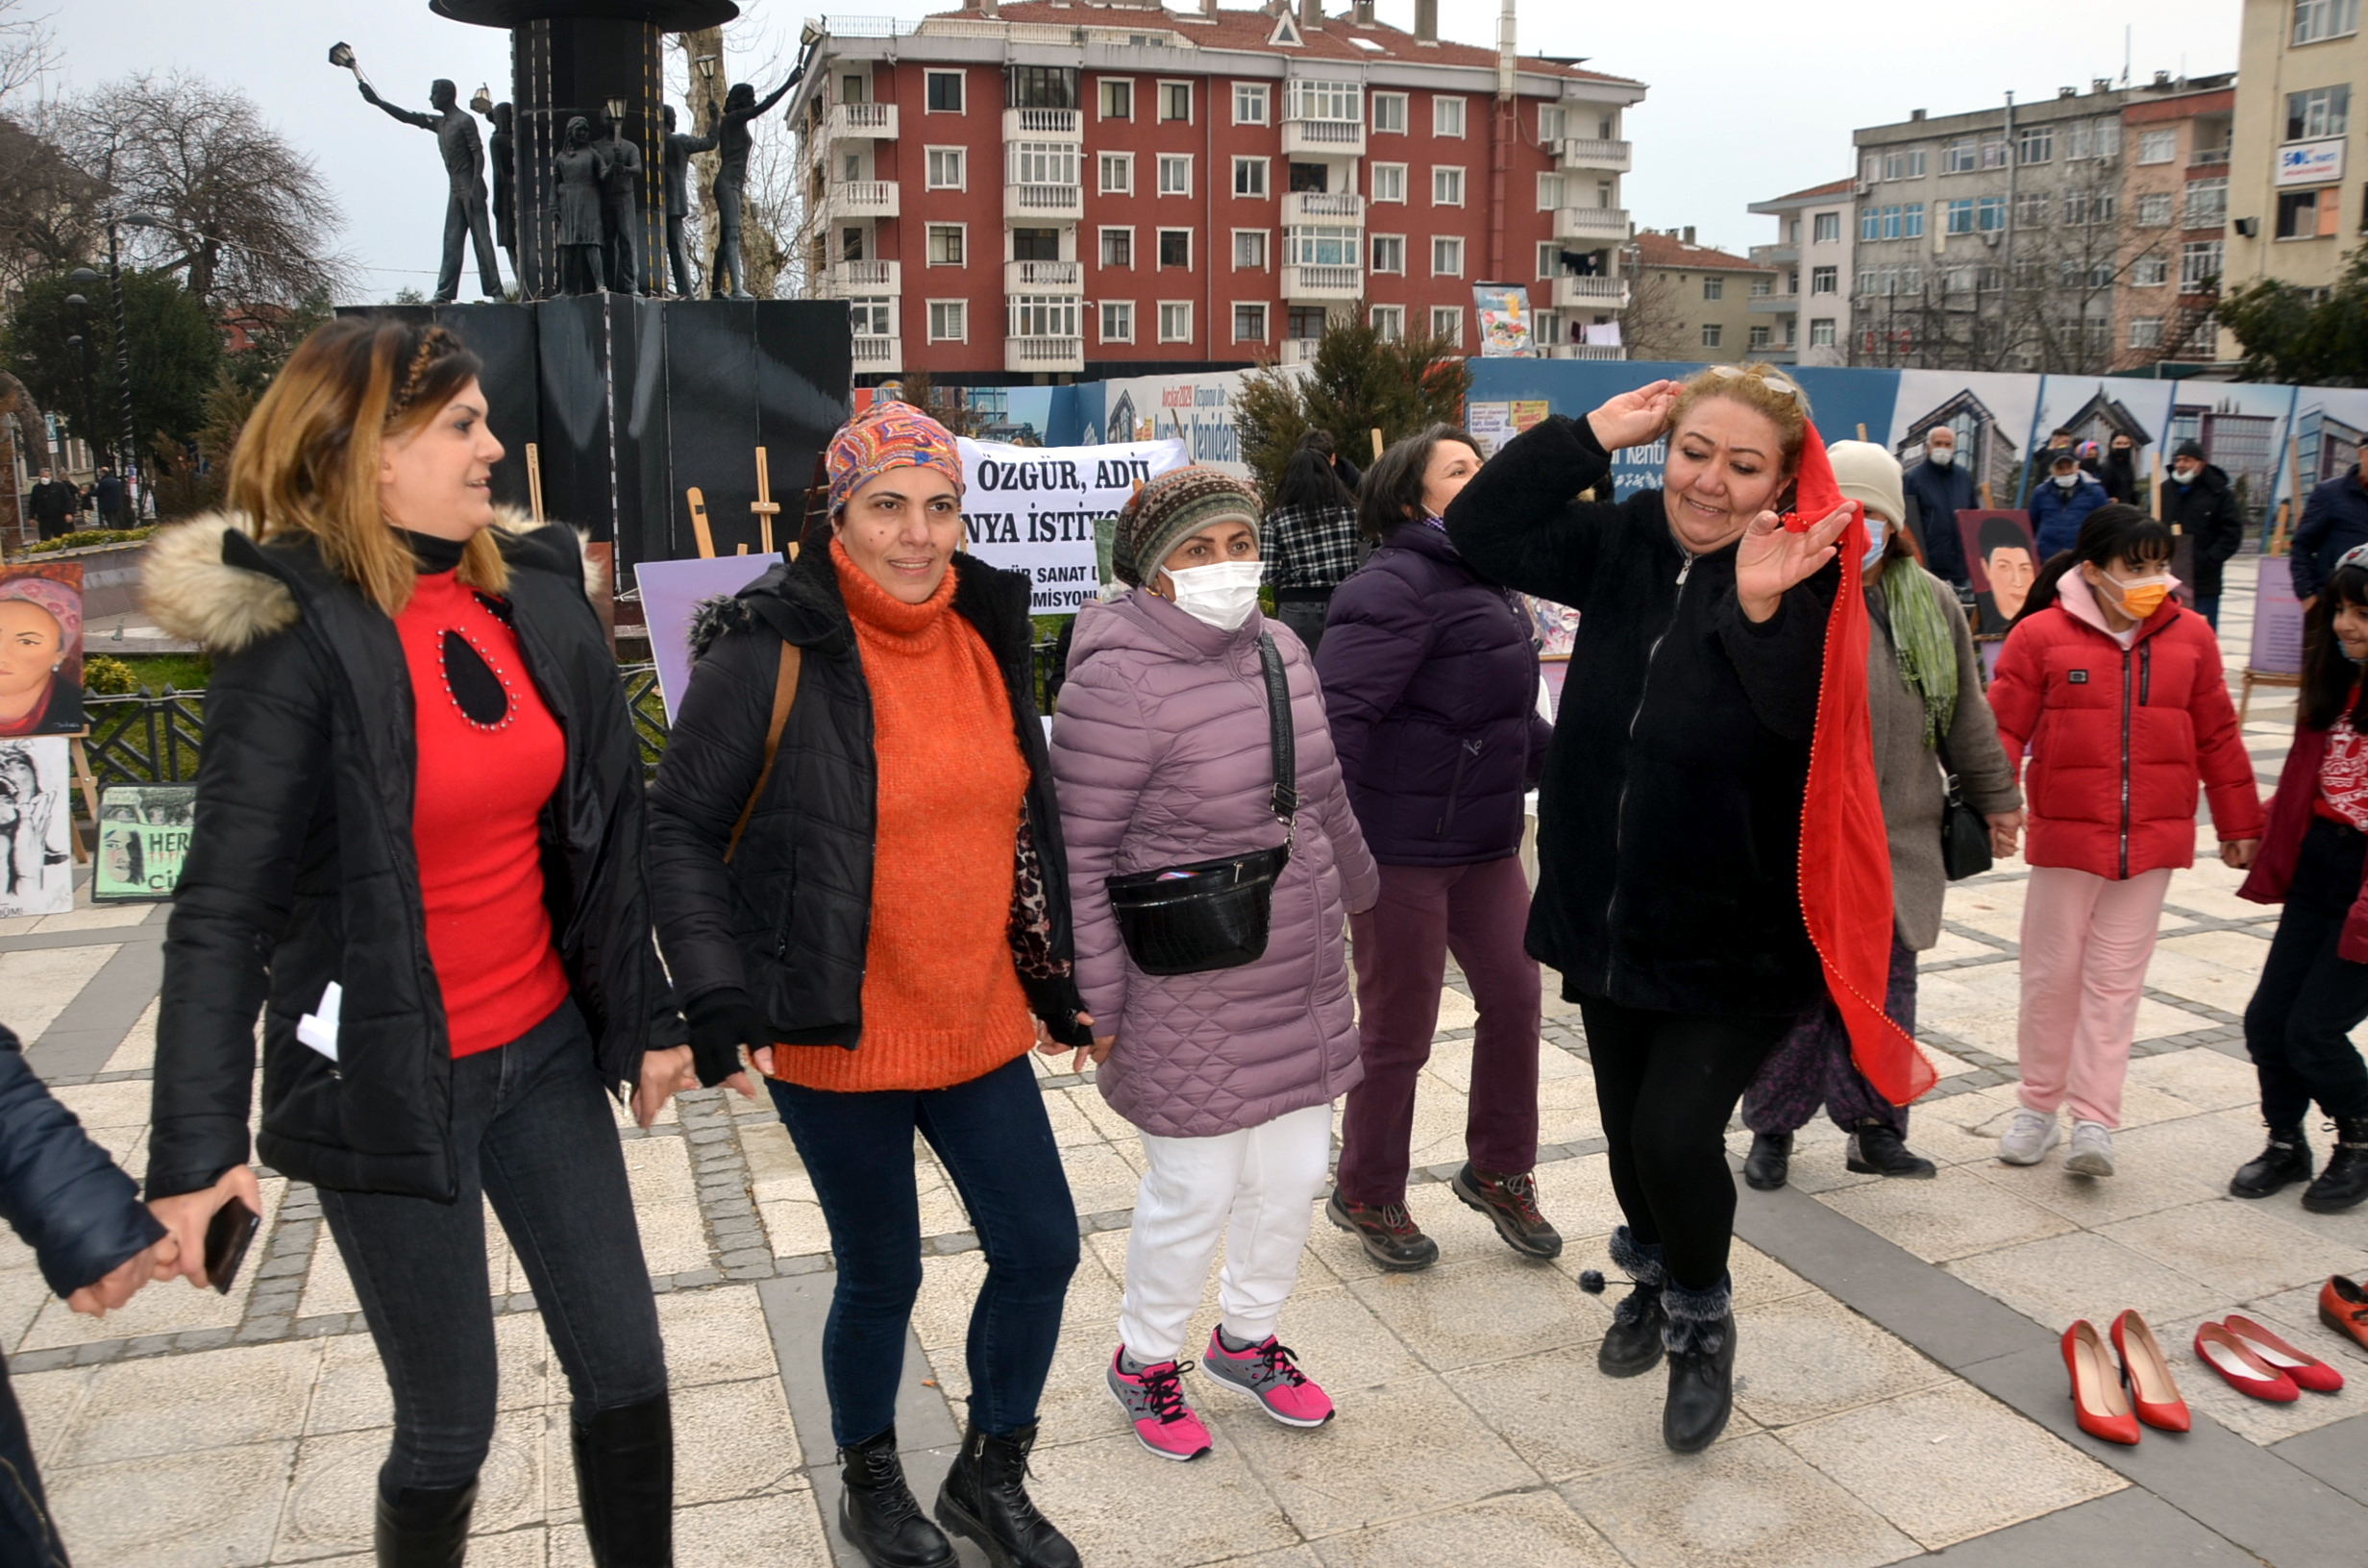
<point>784,692</point>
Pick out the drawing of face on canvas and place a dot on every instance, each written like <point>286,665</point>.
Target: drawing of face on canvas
<point>36,867</point>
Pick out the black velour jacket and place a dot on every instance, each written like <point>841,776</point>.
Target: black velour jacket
<point>1668,819</point>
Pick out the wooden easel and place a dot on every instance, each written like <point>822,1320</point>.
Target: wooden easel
<point>535,480</point>
<point>699,525</point>
<point>764,506</point>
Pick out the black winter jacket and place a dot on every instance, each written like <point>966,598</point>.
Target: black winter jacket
<point>2206,512</point>
<point>1669,822</point>
<point>60,1190</point>
<point>785,925</point>
<point>301,867</point>
<point>2334,519</point>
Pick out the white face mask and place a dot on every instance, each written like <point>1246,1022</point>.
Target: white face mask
<point>2068,481</point>
<point>1219,595</point>
<point>1942,455</point>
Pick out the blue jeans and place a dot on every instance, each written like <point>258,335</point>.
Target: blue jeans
<point>2210,610</point>
<point>531,1133</point>
<point>996,1143</point>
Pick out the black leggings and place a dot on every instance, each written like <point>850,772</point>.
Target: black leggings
<point>2299,1024</point>
<point>1665,1084</point>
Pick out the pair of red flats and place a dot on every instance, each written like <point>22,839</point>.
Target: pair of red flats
<point>2254,1362</point>
<point>2111,1400</point>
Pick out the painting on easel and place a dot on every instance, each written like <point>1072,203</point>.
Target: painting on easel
<point>41,649</point>
<point>37,823</point>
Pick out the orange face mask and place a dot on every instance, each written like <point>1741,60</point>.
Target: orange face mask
<point>2141,597</point>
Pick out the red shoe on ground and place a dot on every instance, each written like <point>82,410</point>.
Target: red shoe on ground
<point>2307,1371</point>
<point>2343,1307</point>
<point>2148,1374</point>
<point>2096,1399</point>
<point>2245,1373</point>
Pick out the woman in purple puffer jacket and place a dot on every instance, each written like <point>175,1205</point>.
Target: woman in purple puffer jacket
<point>1431,675</point>
<point>1163,756</point>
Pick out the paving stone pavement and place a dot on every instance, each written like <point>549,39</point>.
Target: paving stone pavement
<point>1899,1394</point>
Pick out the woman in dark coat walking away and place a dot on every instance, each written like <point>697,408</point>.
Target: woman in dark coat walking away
<point>859,876</point>
<point>1310,538</point>
<point>1431,680</point>
<point>1670,822</point>
<point>418,852</point>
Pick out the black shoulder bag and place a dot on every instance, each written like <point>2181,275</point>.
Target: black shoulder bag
<point>1214,914</point>
<point>1964,832</point>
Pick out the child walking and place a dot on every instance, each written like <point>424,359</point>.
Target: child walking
<point>2120,697</point>
<point>1164,755</point>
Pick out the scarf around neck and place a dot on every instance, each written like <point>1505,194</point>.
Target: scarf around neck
<point>1920,638</point>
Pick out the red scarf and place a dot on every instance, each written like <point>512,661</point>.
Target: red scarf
<point>1845,854</point>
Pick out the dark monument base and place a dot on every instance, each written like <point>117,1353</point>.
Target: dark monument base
<point>632,402</point>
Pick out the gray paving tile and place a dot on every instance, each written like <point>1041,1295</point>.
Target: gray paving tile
<point>1747,1503</point>
<point>2132,1525</point>
<point>2337,1455</point>
<point>86,1032</point>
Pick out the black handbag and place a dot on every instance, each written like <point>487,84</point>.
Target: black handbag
<point>1964,832</point>
<point>1214,914</point>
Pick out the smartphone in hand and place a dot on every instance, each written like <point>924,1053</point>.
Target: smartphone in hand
<point>228,1235</point>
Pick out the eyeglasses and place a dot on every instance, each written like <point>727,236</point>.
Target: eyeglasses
<point>1774,383</point>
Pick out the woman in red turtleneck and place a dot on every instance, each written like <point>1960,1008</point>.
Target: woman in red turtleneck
<point>418,849</point>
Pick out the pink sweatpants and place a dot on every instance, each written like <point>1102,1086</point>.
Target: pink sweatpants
<point>2087,941</point>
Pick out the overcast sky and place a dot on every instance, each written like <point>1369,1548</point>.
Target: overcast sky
<point>1739,109</point>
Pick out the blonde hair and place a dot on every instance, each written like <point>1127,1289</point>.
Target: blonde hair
<point>1760,387</point>
<point>307,460</point>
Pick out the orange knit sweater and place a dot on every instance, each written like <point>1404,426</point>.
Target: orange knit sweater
<point>942,1002</point>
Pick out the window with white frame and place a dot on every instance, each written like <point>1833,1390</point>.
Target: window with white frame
<point>1902,163</point>
<point>1042,164</point>
<point>1824,228</point>
<point>2158,146</point>
<point>1046,316</point>
<point>2034,144</point>
<point>2150,271</point>
<point>1250,322</point>
<point>946,167</point>
<point>1390,253</point>
<point>1389,322</point>
<point>2199,263</point>
<point>1176,248</point>
<point>1306,98</point>
<point>1550,122</point>
<point>1250,177</point>
<point>1447,186</point>
<point>948,321</point>
<point>1118,98</point>
<point>1448,321</point>
<point>1762,287</point>
<point>1712,332</point>
<point>1824,280</point>
<point>1390,112</point>
<point>2145,332</point>
<point>1714,288</point>
<point>1549,192</point>
<point>1175,321</point>
<point>1958,156</point>
<point>2316,20</point>
<point>1550,259</point>
<point>1176,101</point>
<point>1447,116</point>
<point>1118,247</point>
<point>1250,103</point>
<point>1118,321</point>
<point>1118,174</point>
<point>1320,245</point>
<point>1761,336</point>
<point>1176,174</point>
<point>1388,181</point>
<point>2154,209</point>
<point>945,244</point>
<point>870,318</point>
<point>2317,111</point>
<point>1249,250</point>
<point>1821,332</point>
<point>1446,256</point>
<point>2208,202</point>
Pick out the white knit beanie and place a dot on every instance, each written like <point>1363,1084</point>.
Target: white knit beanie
<point>1868,475</point>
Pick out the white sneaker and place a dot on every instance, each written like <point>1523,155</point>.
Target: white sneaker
<point>2026,1141</point>
<point>2092,1150</point>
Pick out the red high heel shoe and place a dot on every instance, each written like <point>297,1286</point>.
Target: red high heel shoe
<point>2096,1399</point>
<point>2343,1307</point>
<point>2307,1371</point>
<point>2245,1373</point>
<point>2148,1372</point>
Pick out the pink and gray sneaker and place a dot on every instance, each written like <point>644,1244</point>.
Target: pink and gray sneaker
<point>1153,1400</point>
<point>1266,1374</point>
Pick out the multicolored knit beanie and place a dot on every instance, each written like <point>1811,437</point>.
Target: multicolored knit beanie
<point>1172,508</point>
<point>888,435</point>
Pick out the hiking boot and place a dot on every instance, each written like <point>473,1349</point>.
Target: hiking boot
<point>2344,1183</point>
<point>1511,1203</point>
<point>1876,1150</point>
<point>1770,1164</point>
<point>2029,1138</point>
<point>2091,1153</point>
<point>1633,1345</point>
<point>1153,1400</point>
<point>1265,1372</point>
<point>1389,1233</point>
<point>2284,1160</point>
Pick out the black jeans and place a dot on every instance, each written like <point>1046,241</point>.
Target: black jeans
<point>532,1134</point>
<point>1303,610</point>
<point>996,1143</point>
<point>1665,1084</point>
<point>2299,1024</point>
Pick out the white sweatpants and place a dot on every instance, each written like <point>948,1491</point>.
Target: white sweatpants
<point>1257,1187</point>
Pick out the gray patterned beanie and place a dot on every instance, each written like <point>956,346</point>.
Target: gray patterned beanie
<point>1169,509</point>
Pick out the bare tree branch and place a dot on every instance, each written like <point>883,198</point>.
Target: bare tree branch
<point>28,49</point>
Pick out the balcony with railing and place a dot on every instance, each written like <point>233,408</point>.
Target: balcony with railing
<point>1773,305</point>
<point>1047,204</point>
<point>878,355</point>
<point>1586,293</point>
<point>1319,285</point>
<point>1323,138</point>
<point>1043,125</point>
<point>1591,222</point>
<point>1042,277</point>
<point>1324,207</point>
<point>848,279</point>
<point>1300,351</point>
<point>860,122</point>
<point>1594,152</point>
<point>1044,355</point>
<point>858,199</point>
<point>1775,256</point>
<point>2204,157</point>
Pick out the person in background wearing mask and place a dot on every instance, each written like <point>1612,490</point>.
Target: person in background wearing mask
<point>2314,861</point>
<point>1941,489</point>
<point>1163,750</point>
<point>2060,506</point>
<point>2200,502</point>
<point>2119,695</point>
<point>2334,520</point>
<point>1431,675</point>
<point>51,505</point>
<point>2119,474</point>
<point>1924,699</point>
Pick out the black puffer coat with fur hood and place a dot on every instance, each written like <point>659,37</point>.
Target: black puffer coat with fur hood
<point>301,869</point>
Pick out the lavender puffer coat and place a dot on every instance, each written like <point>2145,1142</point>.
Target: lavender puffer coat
<point>1161,757</point>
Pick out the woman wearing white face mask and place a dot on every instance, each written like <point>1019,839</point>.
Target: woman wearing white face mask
<point>1166,755</point>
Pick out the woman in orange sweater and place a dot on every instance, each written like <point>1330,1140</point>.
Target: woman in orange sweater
<point>857,870</point>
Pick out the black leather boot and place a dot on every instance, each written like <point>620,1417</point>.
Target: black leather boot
<point>2285,1160</point>
<point>1701,1342</point>
<point>624,1479</point>
<point>1875,1150</point>
<point>1770,1164</point>
<point>985,1499</point>
<point>2344,1183</point>
<point>1633,1344</point>
<point>418,1528</point>
<point>877,1512</point>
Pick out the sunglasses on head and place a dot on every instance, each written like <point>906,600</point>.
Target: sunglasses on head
<point>2357,555</point>
<point>1774,383</point>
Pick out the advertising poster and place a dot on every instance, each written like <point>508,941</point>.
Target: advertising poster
<point>2003,562</point>
<point>143,838</point>
<point>37,858</point>
<point>41,649</point>
<point>670,591</point>
<point>1504,319</point>
<point>1197,411</point>
<point>1032,509</point>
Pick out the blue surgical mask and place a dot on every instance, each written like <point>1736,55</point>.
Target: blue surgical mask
<point>1874,553</point>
